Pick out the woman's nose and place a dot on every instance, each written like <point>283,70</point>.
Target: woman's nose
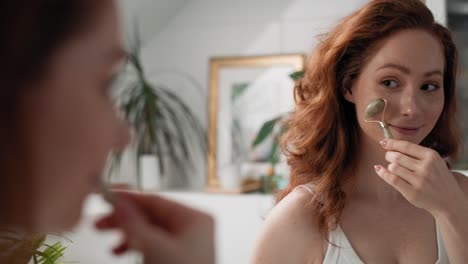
<point>409,105</point>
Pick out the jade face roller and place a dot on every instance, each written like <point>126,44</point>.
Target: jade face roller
<point>374,108</point>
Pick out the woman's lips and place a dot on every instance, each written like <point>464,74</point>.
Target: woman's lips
<point>405,130</point>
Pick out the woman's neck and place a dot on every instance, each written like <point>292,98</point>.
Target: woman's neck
<point>365,183</point>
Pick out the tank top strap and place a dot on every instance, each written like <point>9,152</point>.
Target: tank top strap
<point>308,187</point>
<point>443,258</point>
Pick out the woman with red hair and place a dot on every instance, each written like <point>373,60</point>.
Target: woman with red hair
<point>355,196</point>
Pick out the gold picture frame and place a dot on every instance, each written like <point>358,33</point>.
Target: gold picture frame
<point>219,66</point>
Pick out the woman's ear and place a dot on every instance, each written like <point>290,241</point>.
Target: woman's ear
<point>347,90</point>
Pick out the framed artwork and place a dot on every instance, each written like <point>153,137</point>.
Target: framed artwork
<point>244,93</point>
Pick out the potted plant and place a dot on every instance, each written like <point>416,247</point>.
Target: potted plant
<point>164,125</point>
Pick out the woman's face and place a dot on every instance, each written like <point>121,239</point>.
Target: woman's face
<point>406,70</point>
<point>72,121</point>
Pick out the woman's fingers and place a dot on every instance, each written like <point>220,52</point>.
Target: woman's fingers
<point>403,160</point>
<point>121,248</point>
<point>168,214</point>
<point>107,222</point>
<point>408,148</point>
<point>161,229</point>
<point>402,172</point>
<point>397,182</point>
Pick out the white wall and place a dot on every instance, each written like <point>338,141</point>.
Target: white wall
<point>149,15</point>
<point>439,9</point>
<point>206,28</point>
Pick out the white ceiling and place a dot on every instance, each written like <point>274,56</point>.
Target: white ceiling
<point>150,15</point>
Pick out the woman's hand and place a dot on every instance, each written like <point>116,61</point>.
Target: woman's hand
<point>420,175</point>
<point>162,230</point>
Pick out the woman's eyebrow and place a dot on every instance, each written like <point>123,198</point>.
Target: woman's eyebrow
<point>406,70</point>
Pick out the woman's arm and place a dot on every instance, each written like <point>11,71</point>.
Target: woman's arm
<point>453,225</point>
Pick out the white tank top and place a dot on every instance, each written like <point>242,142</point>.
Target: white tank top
<point>343,252</point>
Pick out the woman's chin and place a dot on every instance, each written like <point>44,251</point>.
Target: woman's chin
<point>60,219</point>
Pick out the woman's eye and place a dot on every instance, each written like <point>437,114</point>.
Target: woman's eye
<point>429,87</point>
<point>390,83</point>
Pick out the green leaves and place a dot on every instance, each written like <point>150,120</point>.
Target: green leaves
<point>297,75</point>
<point>268,129</point>
<point>24,248</point>
<point>265,131</point>
<point>274,154</point>
<point>50,255</point>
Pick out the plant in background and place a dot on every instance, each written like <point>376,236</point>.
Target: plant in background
<point>274,128</point>
<point>49,254</point>
<point>164,125</point>
<point>16,248</point>
<point>271,128</point>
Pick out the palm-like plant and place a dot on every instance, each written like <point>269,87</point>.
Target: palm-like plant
<point>49,254</point>
<point>16,248</point>
<point>163,123</point>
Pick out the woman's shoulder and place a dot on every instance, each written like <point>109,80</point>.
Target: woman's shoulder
<point>462,180</point>
<point>295,207</point>
<point>290,233</point>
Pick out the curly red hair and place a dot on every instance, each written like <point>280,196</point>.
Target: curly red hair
<point>322,140</point>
